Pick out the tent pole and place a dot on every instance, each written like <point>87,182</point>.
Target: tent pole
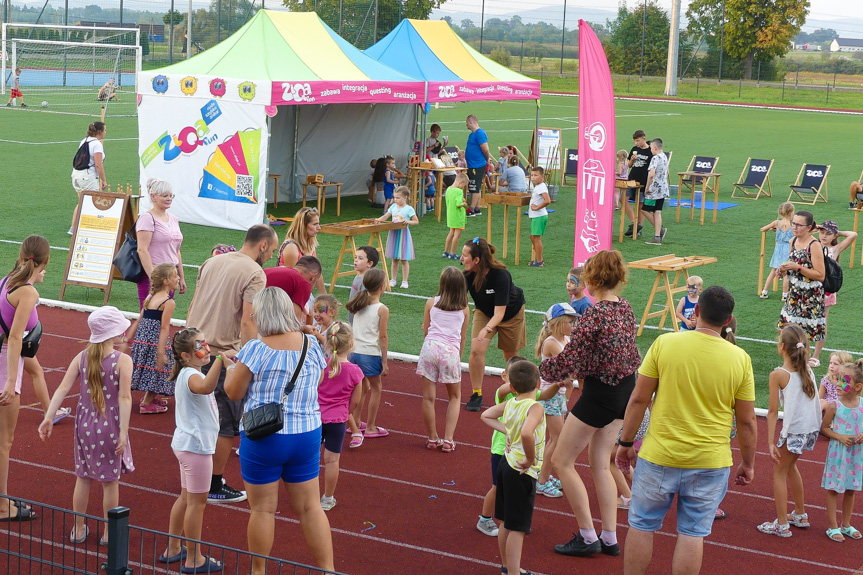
<point>296,143</point>
<point>267,173</point>
<point>536,134</point>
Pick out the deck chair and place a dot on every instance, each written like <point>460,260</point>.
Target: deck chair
<point>705,164</point>
<point>811,185</point>
<point>757,173</point>
<point>857,198</point>
<point>453,153</point>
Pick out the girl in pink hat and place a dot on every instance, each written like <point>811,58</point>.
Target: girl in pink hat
<point>102,450</point>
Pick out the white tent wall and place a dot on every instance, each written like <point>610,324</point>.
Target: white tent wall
<point>339,141</point>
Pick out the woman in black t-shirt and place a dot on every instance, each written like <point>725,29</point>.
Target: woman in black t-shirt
<point>499,310</point>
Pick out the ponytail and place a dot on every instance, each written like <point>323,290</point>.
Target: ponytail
<point>94,376</point>
<point>373,281</point>
<point>340,339</point>
<point>796,345</point>
<point>35,251</point>
<point>184,341</point>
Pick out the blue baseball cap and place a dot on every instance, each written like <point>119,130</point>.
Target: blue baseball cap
<point>558,310</point>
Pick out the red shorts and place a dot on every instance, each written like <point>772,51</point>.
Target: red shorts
<point>16,94</point>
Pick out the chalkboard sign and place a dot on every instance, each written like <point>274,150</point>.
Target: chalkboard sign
<point>452,151</point>
<point>103,220</point>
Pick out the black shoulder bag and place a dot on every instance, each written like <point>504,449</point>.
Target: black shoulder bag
<point>268,419</point>
<point>30,342</point>
<point>832,281</point>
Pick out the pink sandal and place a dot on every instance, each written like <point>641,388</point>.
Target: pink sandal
<point>448,446</point>
<point>151,408</point>
<point>356,440</point>
<point>434,443</point>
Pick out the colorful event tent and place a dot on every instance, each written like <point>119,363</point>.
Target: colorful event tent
<point>431,51</point>
<point>217,124</point>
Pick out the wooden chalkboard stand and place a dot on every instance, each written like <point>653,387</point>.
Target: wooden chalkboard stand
<point>97,234</point>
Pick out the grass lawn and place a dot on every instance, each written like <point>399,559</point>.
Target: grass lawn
<point>38,199</point>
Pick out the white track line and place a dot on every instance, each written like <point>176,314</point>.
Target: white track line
<point>53,143</point>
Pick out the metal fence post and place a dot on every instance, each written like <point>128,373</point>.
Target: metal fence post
<point>118,542</point>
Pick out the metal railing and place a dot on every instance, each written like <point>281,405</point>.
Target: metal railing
<point>43,546</point>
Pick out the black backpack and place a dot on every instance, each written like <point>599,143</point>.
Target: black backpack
<point>832,274</point>
<point>81,161</point>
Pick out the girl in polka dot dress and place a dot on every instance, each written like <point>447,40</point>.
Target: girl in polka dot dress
<point>102,451</point>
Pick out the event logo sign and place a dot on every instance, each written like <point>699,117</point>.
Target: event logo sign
<point>188,139</point>
<point>454,91</point>
<point>232,172</point>
<point>594,211</point>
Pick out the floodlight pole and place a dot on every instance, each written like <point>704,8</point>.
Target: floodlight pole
<point>563,36</point>
<point>481,26</point>
<point>721,40</point>
<point>673,40</point>
<point>643,31</point>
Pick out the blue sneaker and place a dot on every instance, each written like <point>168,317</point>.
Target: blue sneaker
<point>446,255</point>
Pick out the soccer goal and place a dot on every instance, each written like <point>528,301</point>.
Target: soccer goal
<point>82,70</point>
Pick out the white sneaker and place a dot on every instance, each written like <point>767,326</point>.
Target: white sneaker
<point>487,526</point>
<point>70,231</point>
<point>327,503</point>
<point>392,283</point>
<point>405,285</point>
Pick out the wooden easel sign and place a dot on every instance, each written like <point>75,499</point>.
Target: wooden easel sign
<point>103,219</point>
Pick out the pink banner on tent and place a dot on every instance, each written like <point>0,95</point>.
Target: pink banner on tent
<point>594,205</point>
<point>460,91</point>
<point>233,150</point>
<point>361,92</point>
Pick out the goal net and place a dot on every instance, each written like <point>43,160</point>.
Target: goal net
<point>72,70</point>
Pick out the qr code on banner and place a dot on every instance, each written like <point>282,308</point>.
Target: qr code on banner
<point>245,186</point>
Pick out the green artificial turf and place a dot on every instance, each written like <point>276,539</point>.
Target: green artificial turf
<point>37,198</point>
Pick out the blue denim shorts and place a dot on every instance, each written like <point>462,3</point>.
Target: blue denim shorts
<point>371,365</point>
<point>293,458</point>
<point>699,493</point>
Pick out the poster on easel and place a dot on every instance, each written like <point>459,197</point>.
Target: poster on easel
<point>545,151</point>
<point>97,233</point>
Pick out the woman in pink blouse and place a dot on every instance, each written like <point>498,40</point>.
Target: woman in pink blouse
<point>159,236</point>
<point>602,355</point>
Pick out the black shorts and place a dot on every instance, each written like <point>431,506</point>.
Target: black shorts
<point>513,503</point>
<point>600,403</point>
<point>474,177</point>
<point>230,412</point>
<point>495,463</point>
<point>656,207</point>
<point>333,436</point>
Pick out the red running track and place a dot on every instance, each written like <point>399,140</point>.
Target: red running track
<point>424,505</point>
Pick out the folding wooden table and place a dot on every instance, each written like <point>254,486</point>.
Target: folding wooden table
<point>322,195</point>
<point>414,179</point>
<point>348,230</point>
<point>507,199</point>
<point>662,265</point>
<point>625,185</point>
<point>705,187</point>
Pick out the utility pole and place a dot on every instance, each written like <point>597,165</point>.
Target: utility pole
<point>673,45</point>
<point>481,25</point>
<point>563,37</point>
<point>189,32</point>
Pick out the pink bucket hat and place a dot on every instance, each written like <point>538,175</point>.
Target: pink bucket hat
<point>105,323</point>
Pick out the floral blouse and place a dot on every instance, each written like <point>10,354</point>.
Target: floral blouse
<point>602,346</point>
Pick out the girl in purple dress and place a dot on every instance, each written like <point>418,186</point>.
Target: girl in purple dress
<point>102,450</point>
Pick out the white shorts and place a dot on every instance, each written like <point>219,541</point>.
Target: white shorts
<point>439,362</point>
<point>84,181</point>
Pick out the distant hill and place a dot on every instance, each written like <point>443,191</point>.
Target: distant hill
<point>548,14</point>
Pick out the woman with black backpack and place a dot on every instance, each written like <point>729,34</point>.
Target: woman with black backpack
<point>88,170</point>
<point>805,268</point>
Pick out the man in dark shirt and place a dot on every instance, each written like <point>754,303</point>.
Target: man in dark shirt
<point>639,161</point>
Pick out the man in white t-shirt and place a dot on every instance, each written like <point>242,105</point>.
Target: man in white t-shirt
<point>538,214</point>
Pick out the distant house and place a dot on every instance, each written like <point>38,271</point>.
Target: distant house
<point>846,45</point>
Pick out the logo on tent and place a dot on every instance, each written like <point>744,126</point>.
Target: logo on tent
<point>296,92</point>
<point>189,85</point>
<point>160,84</point>
<point>247,91</point>
<point>217,87</point>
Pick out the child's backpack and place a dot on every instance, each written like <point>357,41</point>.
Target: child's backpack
<point>81,161</point>
<point>832,281</point>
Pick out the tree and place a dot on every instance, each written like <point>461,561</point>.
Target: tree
<point>145,43</point>
<point>753,30</point>
<point>623,44</point>
<point>176,16</point>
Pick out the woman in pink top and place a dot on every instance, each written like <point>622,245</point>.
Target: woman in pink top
<point>301,240</point>
<point>18,300</point>
<point>445,324</point>
<point>159,236</point>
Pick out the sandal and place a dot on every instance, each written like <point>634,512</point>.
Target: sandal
<point>81,538</point>
<point>434,443</point>
<point>851,532</point>
<point>720,514</point>
<point>763,294</point>
<point>381,432</point>
<point>448,446</point>
<point>151,408</point>
<point>210,565</point>
<point>835,535</point>
<point>356,440</point>
<point>24,514</point>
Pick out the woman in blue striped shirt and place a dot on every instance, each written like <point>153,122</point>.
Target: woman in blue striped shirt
<point>263,369</point>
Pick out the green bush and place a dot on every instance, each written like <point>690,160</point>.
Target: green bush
<point>501,55</point>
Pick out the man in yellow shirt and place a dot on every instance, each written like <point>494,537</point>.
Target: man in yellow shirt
<point>701,381</point>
